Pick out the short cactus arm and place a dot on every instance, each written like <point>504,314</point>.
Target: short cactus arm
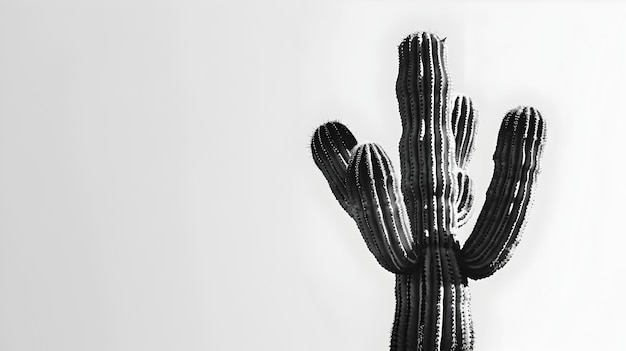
<point>331,146</point>
<point>519,148</point>
<point>463,119</point>
<point>379,209</point>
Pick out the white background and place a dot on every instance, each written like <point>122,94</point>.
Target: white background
<point>157,191</point>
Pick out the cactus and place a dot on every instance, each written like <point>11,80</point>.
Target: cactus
<point>409,226</point>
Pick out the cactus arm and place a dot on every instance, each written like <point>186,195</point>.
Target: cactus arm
<point>464,129</point>
<point>463,122</point>
<point>496,234</point>
<point>379,209</point>
<point>331,147</point>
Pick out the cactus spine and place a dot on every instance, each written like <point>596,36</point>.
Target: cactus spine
<point>409,226</point>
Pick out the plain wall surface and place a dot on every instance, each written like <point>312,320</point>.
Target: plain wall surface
<point>157,190</point>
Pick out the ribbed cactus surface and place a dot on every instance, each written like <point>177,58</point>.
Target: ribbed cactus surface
<point>409,224</point>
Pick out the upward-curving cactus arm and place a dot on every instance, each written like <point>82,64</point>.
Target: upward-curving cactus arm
<point>363,182</point>
<point>496,234</point>
<point>379,209</point>
<point>464,128</point>
<point>331,147</point>
<point>463,120</point>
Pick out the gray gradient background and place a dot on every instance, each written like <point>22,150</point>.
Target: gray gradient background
<point>157,192</point>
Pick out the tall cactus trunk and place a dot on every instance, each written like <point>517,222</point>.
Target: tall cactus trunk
<point>433,304</point>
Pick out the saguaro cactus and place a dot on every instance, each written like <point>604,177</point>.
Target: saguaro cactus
<point>410,225</point>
